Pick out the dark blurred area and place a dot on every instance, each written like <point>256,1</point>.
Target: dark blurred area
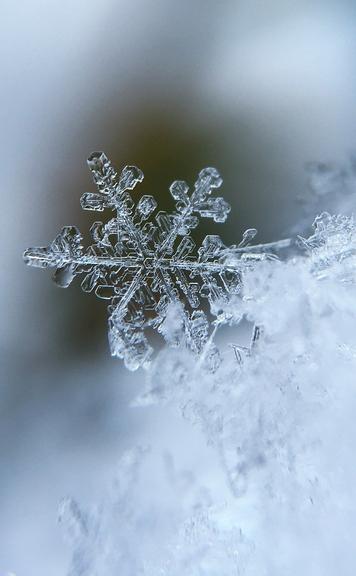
<point>256,89</point>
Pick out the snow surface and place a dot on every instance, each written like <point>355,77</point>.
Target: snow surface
<point>279,417</point>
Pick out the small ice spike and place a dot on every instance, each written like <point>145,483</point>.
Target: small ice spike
<point>147,266</point>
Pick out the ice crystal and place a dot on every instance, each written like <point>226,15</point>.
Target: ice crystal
<point>281,415</point>
<point>148,267</point>
<point>333,243</point>
<point>278,414</point>
<point>280,419</point>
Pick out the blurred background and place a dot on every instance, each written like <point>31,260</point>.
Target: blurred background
<point>256,89</point>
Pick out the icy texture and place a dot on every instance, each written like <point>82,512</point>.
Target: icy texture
<point>148,267</point>
<point>332,247</point>
<point>280,416</point>
<point>174,531</point>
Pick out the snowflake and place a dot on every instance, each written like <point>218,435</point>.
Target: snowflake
<point>148,267</point>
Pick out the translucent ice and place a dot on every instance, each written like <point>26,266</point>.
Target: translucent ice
<point>142,264</point>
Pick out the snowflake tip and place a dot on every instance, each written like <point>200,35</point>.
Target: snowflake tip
<point>212,176</point>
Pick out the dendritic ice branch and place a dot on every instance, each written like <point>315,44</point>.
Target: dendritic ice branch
<point>148,266</point>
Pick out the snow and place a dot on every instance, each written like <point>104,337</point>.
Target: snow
<point>278,415</point>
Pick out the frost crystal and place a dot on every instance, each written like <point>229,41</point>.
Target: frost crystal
<point>278,415</point>
<point>147,266</point>
<point>332,244</point>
